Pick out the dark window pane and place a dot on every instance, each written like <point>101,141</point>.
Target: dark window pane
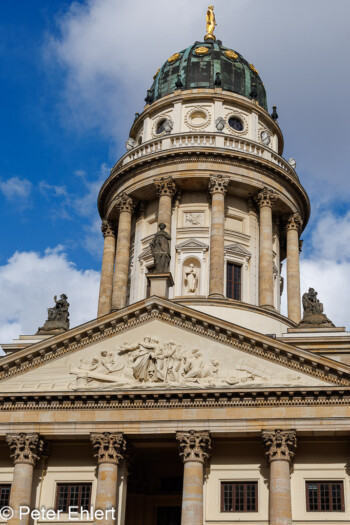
<point>235,123</point>
<point>325,496</point>
<point>4,495</point>
<point>73,495</point>
<point>233,281</point>
<point>239,497</point>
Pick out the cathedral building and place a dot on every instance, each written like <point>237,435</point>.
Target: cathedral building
<point>190,399</point>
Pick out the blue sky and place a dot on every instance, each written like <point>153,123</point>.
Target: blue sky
<point>72,76</point>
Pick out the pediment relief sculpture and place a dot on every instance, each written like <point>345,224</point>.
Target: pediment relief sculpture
<point>152,363</point>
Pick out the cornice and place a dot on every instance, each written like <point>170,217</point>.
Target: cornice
<point>188,319</point>
<point>146,400</point>
<point>187,155</point>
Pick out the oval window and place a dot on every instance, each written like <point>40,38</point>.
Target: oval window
<point>160,126</point>
<point>235,123</point>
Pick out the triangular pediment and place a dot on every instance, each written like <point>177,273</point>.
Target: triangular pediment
<point>237,249</point>
<point>162,345</point>
<point>191,244</point>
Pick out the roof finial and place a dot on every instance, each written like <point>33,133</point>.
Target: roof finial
<point>211,24</point>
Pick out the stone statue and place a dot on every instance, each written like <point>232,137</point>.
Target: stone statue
<point>160,250</point>
<point>211,24</point>
<point>57,317</point>
<point>130,144</point>
<point>191,279</point>
<point>313,312</point>
<point>168,125</point>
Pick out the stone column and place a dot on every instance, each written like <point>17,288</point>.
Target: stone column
<point>265,200</point>
<point>194,450</point>
<point>110,449</point>
<point>293,227</point>
<point>125,205</point>
<point>25,452</point>
<point>166,189</point>
<point>280,446</point>
<point>106,283</point>
<point>217,188</point>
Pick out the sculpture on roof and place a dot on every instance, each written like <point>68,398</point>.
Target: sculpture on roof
<point>313,312</point>
<point>160,250</point>
<point>211,24</point>
<point>57,317</point>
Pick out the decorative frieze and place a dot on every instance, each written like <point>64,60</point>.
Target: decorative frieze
<point>218,184</point>
<point>109,447</point>
<point>280,444</point>
<point>25,448</point>
<point>265,197</point>
<point>165,186</point>
<point>194,445</point>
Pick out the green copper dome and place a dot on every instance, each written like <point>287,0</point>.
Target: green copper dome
<point>207,65</point>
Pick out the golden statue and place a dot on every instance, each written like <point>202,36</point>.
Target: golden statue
<point>211,24</point>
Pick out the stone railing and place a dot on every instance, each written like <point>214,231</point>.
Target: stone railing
<point>204,140</point>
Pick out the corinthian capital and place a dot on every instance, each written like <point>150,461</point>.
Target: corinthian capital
<point>109,447</point>
<point>194,446</point>
<point>107,229</point>
<point>280,444</point>
<point>165,186</point>
<point>25,448</point>
<point>294,222</point>
<point>265,197</point>
<point>124,203</point>
<point>218,184</point>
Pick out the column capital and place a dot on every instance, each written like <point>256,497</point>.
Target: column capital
<point>124,203</point>
<point>218,184</point>
<point>165,186</point>
<point>25,448</point>
<point>294,222</point>
<point>194,445</point>
<point>107,229</point>
<point>265,197</point>
<point>109,447</point>
<point>280,444</point>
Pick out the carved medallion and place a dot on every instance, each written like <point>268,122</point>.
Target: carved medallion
<point>231,54</point>
<point>174,58</point>
<point>201,50</point>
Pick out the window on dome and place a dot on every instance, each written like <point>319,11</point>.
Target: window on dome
<point>235,123</point>
<point>233,281</point>
<point>160,126</point>
<point>198,118</point>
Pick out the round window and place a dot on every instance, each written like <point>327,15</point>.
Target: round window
<point>235,123</point>
<point>160,126</point>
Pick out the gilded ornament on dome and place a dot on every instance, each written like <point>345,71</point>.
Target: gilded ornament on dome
<point>211,24</point>
<point>202,51</point>
<point>231,54</point>
<point>173,58</point>
<point>253,68</point>
<point>155,76</point>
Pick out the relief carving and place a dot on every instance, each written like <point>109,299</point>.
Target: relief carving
<point>152,363</point>
<point>194,219</point>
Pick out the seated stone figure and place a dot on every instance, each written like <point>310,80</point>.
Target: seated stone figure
<point>313,312</point>
<point>57,317</point>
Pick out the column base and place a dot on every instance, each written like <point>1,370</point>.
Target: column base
<point>216,295</point>
<point>160,283</point>
<point>268,307</point>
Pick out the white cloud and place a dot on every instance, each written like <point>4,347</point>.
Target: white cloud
<point>17,190</point>
<point>28,283</point>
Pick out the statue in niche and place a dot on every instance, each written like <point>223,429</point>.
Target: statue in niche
<point>191,279</point>
<point>313,316</point>
<point>57,317</point>
<point>160,250</point>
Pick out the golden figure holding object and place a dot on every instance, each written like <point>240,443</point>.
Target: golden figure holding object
<point>211,24</point>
